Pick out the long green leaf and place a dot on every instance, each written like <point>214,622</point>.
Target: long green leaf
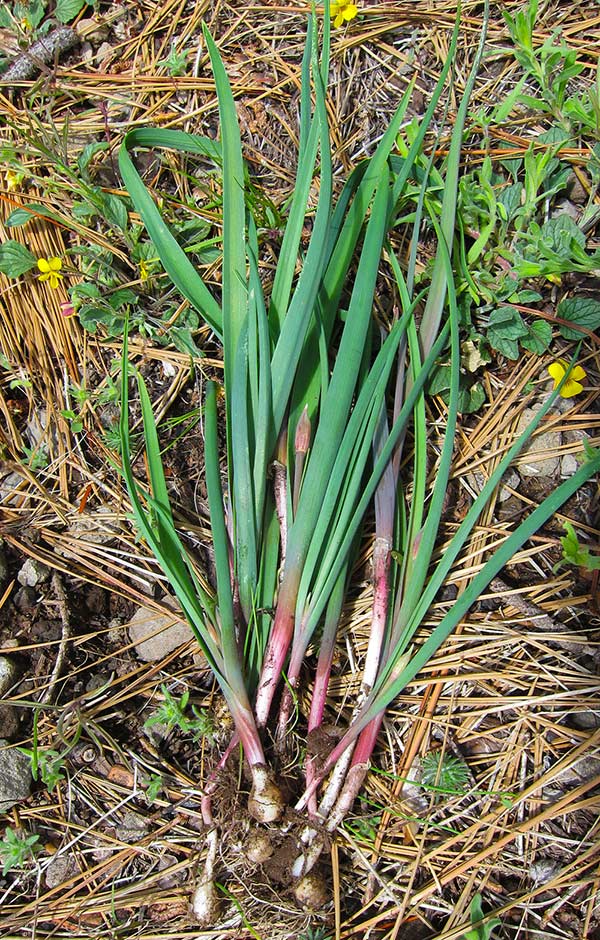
<point>176,263</point>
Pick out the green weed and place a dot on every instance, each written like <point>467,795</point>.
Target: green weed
<point>16,848</point>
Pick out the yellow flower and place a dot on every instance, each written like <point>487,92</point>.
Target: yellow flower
<point>573,384</point>
<point>342,10</point>
<point>13,180</point>
<point>50,268</point>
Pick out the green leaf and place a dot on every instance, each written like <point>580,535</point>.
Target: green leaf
<point>67,10</point>
<point>538,338</point>
<point>23,215</point>
<point>89,152</point>
<point>15,259</point>
<point>585,311</point>
<point>510,198</point>
<point>559,233</point>
<point>505,328</point>
<point>114,210</point>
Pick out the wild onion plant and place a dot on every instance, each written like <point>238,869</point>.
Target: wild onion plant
<point>317,404</point>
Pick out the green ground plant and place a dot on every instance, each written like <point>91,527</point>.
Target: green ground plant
<point>480,930</point>
<point>312,450</point>
<point>16,849</point>
<point>573,553</point>
<point>175,713</point>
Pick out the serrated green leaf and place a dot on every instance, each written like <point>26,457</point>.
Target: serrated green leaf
<point>114,210</point>
<point>15,259</point>
<point>67,10</point>
<point>89,152</point>
<point>539,337</point>
<point>560,233</point>
<point>22,215</point>
<point>510,198</point>
<point>505,328</point>
<point>471,398</point>
<point>585,311</point>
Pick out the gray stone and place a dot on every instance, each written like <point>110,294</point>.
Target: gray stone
<point>9,485</point>
<point>33,573</point>
<point>536,460</point>
<point>60,869</point>
<point>9,721</point>
<point>8,673</point>
<point>568,466</point>
<point>15,776</point>
<point>156,635</point>
<point>510,482</point>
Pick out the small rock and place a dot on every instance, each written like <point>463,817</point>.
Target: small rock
<point>510,482</point>
<point>132,829</point>
<point>3,567</point>
<point>92,29</point>
<point>15,776</point>
<point>586,720</point>
<point>8,673</point>
<point>26,598</point>
<point>535,459</point>
<point>9,486</point>
<point>171,879</point>
<point>543,870</point>
<point>33,573</point>
<point>35,431</point>
<point>9,721</point>
<point>156,635</point>
<point>60,869</point>
<point>568,465</point>
<point>585,769</point>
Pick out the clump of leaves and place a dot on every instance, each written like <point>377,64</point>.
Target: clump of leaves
<point>16,848</point>
<point>573,553</point>
<point>172,713</point>
<point>480,931</point>
<point>444,773</point>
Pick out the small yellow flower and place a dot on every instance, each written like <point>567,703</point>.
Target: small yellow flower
<point>573,384</point>
<point>50,271</point>
<point>342,10</point>
<point>13,180</point>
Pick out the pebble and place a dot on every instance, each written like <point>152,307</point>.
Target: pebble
<point>33,573</point>
<point>8,673</point>
<point>60,869</point>
<point>3,567</point>
<point>156,635</point>
<point>9,721</point>
<point>534,461</point>
<point>568,466</point>
<point>15,776</point>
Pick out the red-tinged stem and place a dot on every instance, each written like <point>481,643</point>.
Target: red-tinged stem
<point>287,696</point>
<point>382,558</point>
<point>277,649</point>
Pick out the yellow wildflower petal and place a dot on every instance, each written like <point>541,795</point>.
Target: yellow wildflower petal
<point>556,370</point>
<point>572,386</point>
<point>350,11</point>
<point>55,264</point>
<point>338,21</point>
<point>44,265</point>
<point>570,389</point>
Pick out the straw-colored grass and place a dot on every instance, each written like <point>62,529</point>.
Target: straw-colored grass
<point>514,692</point>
